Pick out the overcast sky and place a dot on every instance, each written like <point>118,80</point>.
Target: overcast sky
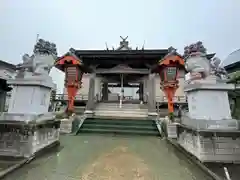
<point>88,24</point>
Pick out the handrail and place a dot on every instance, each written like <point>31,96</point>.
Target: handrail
<point>175,99</point>
<point>160,99</point>
<point>65,97</point>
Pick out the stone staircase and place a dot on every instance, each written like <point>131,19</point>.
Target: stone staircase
<point>119,126</point>
<point>110,118</point>
<point>128,111</point>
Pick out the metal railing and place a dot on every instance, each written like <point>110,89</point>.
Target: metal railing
<point>64,97</point>
<point>84,97</point>
<point>176,99</point>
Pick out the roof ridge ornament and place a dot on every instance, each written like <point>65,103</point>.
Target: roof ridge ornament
<point>124,44</point>
<point>123,39</point>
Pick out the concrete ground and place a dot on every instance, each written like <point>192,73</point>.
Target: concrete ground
<point>105,157</point>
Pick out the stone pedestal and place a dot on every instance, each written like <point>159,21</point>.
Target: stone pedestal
<point>208,130</point>
<point>28,127</point>
<point>31,94</point>
<point>209,107</point>
<point>209,101</point>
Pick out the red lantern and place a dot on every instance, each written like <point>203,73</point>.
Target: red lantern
<point>168,69</point>
<point>73,77</point>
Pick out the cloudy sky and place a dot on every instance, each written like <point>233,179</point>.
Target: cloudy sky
<point>88,24</point>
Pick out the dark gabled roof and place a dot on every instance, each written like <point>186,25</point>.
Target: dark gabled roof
<point>232,67</point>
<point>8,65</point>
<point>136,58</point>
<point>126,53</point>
<point>110,58</point>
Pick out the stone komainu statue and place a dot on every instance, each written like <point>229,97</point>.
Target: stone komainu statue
<point>41,61</point>
<point>196,61</point>
<point>45,47</point>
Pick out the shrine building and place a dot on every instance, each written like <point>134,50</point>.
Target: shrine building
<point>124,68</point>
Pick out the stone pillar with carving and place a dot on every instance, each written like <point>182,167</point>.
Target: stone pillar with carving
<point>91,97</point>
<point>151,95</point>
<point>29,104</point>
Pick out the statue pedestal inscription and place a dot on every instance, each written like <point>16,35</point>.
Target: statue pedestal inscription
<point>28,127</point>
<point>208,131</point>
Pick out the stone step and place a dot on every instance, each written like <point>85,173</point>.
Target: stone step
<point>124,132</point>
<point>114,114</point>
<point>123,105</point>
<point>119,126</point>
<point>122,118</point>
<point>128,122</point>
<point>122,110</point>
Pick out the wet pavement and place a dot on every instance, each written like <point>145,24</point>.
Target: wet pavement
<point>105,157</point>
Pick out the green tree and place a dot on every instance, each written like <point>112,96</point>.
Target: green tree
<point>234,96</point>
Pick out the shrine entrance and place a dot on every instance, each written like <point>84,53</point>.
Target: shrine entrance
<point>120,76</point>
<point>122,84</point>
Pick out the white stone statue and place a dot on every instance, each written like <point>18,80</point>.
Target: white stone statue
<point>199,66</point>
<point>41,62</point>
<point>196,61</point>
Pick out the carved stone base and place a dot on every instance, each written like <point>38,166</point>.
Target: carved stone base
<point>19,138</point>
<point>15,144</point>
<point>211,149</point>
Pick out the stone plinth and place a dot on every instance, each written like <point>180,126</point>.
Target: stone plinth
<point>208,101</point>
<point>209,107</point>
<point>28,127</point>
<point>209,112</point>
<point>31,95</point>
<point>22,135</point>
